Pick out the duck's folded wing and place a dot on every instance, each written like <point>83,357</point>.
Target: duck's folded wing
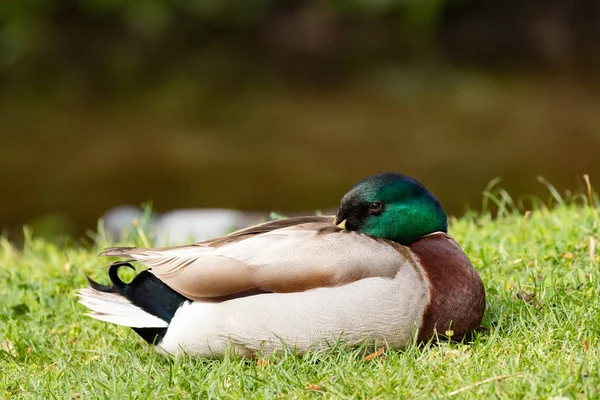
<point>292,258</point>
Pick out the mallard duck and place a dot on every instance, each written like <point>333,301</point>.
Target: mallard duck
<point>383,270</point>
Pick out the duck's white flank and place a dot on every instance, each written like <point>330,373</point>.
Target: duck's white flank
<point>111,307</point>
<point>380,309</point>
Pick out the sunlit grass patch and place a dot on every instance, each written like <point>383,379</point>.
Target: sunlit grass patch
<point>539,337</point>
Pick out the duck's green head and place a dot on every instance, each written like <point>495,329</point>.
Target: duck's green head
<point>391,206</point>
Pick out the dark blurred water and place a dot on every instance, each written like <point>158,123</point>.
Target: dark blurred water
<point>283,105</point>
<point>66,159</point>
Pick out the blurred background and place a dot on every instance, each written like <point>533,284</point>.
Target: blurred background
<point>263,105</point>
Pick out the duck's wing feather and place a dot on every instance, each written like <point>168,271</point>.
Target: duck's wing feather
<point>289,255</point>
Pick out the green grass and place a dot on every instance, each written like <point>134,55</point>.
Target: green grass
<point>541,338</point>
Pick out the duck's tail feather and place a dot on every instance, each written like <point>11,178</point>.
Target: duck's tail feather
<point>116,309</point>
<point>146,304</point>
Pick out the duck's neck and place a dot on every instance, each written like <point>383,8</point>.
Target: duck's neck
<point>406,223</point>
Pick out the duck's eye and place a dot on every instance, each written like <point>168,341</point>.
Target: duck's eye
<point>375,208</point>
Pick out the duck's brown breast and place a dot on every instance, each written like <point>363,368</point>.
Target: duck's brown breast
<point>457,295</point>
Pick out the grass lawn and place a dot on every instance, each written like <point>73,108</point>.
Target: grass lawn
<point>540,335</point>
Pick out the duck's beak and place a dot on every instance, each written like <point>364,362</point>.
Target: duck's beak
<point>341,225</point>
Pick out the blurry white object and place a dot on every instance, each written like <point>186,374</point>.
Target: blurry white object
<point>180,226</point>
<point>119,219</point>
<point>196,225</point>
<point>186,226</point>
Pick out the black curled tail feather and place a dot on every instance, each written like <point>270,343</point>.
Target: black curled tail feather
<point>146,292</point>
<point>118,286</point>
